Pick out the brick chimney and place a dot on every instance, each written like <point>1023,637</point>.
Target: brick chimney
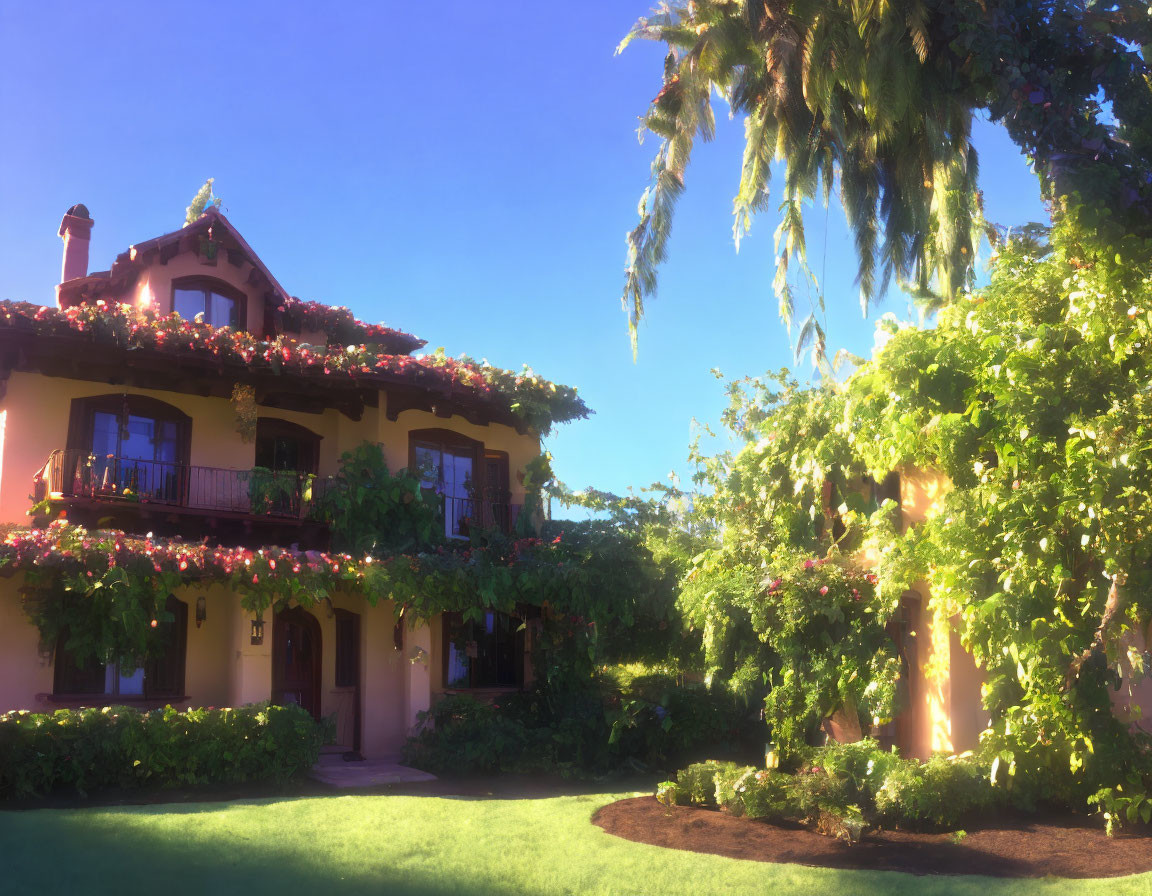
<point>76,231</point>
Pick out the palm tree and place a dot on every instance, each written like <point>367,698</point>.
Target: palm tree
<point>874,99</point>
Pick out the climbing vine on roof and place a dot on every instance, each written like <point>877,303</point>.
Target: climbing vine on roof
<point>531,399</point>
<point>340,325</point>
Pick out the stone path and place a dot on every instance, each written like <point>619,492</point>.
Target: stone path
<point>334,771</point>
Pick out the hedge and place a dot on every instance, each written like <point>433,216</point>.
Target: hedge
<point>120,748</point>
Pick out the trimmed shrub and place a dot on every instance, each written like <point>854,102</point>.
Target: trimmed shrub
<point>670,794</point>
<point>662,721</point>
<point>463,735</point>
<point>117,747</point>
<point>939,793</point>
<point>729,778</point>
<point>699,781</point>
<point>843,789</point>
<point>815,792</point>
<point>859,768</point>
<point>765,795</point>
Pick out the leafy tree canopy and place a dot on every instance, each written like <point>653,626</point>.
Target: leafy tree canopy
<point>875,101</point>
<point>1031,398</point>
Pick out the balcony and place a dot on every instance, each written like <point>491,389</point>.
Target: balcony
<point>96,488</point>
<point>195,501</point>
<point>461,515</point>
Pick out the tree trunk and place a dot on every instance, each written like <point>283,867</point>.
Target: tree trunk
<point>1112,609</point>
<point>843,726</point>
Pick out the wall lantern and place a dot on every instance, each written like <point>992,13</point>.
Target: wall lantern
<point>201,610</point>
<point>257,632</point>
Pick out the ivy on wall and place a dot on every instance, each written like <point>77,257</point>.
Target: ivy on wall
<point>107,588</point>
<point>244,405</point>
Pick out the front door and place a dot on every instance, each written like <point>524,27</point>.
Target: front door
<point>346,694</point>
<point>296,660</point>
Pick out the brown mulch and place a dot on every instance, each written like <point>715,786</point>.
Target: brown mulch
<point>1069,846</point>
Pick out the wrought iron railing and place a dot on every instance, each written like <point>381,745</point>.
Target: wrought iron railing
<point>462,515</point>
<point>74,473</point>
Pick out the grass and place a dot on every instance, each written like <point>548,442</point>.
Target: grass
<point>418,845</point>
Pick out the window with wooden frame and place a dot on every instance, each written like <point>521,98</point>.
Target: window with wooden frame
<point>161,677</point>
<point>287,454</point>
<point>281,445</point>
<point>497,502</point>
<point>484,653</point>
<point>212,301</point>
<point>452,466</point>
<point>130,446</point>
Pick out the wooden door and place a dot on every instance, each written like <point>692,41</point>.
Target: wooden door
<point>347,689</point>
<point>296,652</point>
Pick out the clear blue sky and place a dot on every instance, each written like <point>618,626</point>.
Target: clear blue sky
<point>463,171</point>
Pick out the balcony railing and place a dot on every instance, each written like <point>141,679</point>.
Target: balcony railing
<point>109,479</point>
<point>461,515</point>
<point>74,473</point>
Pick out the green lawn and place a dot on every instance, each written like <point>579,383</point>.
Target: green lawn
<point>416,845</point>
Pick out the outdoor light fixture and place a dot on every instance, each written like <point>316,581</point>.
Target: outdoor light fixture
<point>257,632</point>
<point>201,611</point>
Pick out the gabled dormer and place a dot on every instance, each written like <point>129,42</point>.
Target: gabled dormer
<point>205,268</point>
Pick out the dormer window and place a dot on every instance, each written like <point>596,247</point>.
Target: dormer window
<point>215,303</point>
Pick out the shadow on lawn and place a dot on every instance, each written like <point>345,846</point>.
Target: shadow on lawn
<point>240,848</point>
<point>101,856</point>
<point>506,787</point>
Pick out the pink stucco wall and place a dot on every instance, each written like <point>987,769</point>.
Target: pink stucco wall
<point>26,674</point>
<point>154,285</point>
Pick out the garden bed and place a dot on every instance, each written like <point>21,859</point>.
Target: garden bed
<point>1067,846</point>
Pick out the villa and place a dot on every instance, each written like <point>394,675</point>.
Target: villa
<point>221,428</point>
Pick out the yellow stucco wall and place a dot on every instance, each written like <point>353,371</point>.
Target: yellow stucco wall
<point>223,667</point>
<point>28,674</point>
<point>949,715</point>
<point>209,650</point>
<point>393,435</point>
<point>382,676</point>
<point>38,409</point>
<point>37,413</point>
<point>921,494</point>
<point>953,713</point>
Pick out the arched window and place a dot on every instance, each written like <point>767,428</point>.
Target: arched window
<point>132,442</point>
<point>281,445</point>
<point>213,301</point>
<point>452,466</point>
